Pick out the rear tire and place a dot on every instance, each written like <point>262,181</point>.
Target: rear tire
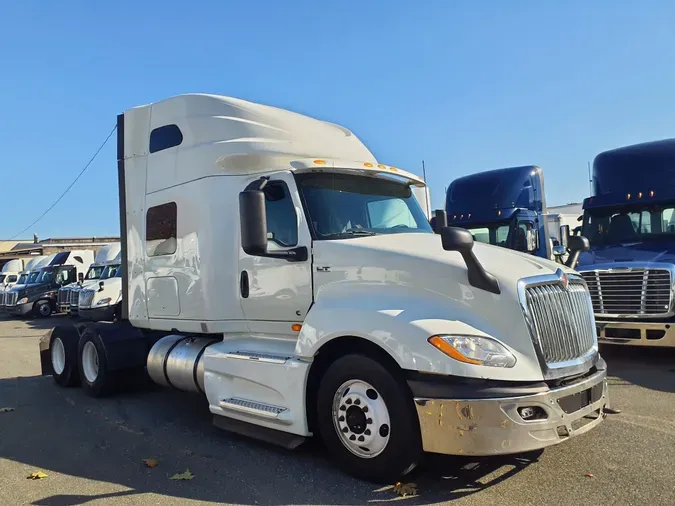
<point>63,356</point>
<point>96,379</point>
<point>367,420</point>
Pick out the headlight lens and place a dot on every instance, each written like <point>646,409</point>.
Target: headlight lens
<point>22,301</point>
<point>103,302</point>
<point>474,350</point>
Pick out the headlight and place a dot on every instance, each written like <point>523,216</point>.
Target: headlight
<point>104,302</point>
<point>474,350</point>
<point>22,301</point>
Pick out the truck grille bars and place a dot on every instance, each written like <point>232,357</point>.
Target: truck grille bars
<point>559,314</point>
<point>625,292</point>
<point>86,297</point>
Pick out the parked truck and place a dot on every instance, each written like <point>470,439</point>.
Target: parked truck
<point>102,300</point>
<point>507,207</point>
<point>31,266</point>
<point>39,299</point>
<point>68,296</point>
<point>9,276</point>
<point>271,263</point>
<point>630,223</point>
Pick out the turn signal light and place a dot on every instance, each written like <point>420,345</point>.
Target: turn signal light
<point>320,162</point>
<point>296,327</point>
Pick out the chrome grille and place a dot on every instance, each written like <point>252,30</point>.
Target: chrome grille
<point>563,320</point>
<point>63,295</point>
<point>86,296</point>
<point>11,298</point>
<point>634,291</point>
<point>74,297</point>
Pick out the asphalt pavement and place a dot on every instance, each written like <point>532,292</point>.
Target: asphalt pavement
<point>92,450</point>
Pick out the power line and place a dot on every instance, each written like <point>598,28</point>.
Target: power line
<point>71,185</point>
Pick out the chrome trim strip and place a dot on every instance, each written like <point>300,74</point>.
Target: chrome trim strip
<point>558,369</point>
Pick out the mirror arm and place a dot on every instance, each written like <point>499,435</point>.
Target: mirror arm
<point>300,254</point>
<point>478,276</point>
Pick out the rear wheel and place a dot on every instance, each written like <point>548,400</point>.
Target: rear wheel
<point>96,379</point>
<point>63,355</point>
<point>367,420</point>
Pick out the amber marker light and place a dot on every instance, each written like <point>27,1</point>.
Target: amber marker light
<point>441,345</point>
<point>320,162</point>
<point>296,327</point>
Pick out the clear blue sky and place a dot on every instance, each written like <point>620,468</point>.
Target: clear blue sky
<point>466,86</point>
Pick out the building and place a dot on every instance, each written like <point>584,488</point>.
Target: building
<point>10,250</point>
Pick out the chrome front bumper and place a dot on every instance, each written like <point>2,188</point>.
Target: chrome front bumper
<point>636,333</point>
<point>493,426</point>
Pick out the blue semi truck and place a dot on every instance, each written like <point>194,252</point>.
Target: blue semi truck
<point>507,207</point>
<point>630,223</point>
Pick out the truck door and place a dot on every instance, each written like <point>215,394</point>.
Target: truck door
<point>273,290</point>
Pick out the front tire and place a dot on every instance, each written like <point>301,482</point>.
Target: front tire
<point>367,420</point>
<point>42,309</point>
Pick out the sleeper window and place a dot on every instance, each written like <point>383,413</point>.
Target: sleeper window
<point>161,229</point>
<point>282,223</point>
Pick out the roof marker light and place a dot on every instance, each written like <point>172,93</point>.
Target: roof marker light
<point>651,193</point>
<point>368,164</point>
<point>499,213</point>
<point>320,162</point>
<point>380,166</point>
<point>393,169</point>
<point>468,216</point>
<point>639,195</point>
<point>461,216</point>
<point>628,196</point>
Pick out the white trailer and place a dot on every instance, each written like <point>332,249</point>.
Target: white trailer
<point>273,264</point>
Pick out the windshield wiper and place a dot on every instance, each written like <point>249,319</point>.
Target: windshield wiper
<point>351,233</point>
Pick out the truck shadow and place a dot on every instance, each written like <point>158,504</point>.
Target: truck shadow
<point>73,437</point>
<point>652,368</point>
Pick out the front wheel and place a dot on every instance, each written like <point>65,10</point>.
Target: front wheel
<point>367,420</point>
<point>42,309</point>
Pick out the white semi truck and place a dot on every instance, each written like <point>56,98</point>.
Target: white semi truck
<point>9,276</point>
<point>102,300</point>
<point>68,295</point>
<point>271,263</point>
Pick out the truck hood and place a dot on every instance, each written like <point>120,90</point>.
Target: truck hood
<point>652,251</point>
<point>412,273</point>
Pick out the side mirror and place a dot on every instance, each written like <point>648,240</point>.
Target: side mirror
<point>253,223</point>
<point>531,239</point>
<point>576,245</point>
<point>558,251</point>
<point>100,286</point>
<point>564,235</point>
<point>80,277</point>
<point>440,220</point>
<point>461,240</point>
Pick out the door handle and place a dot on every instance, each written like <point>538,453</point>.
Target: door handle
<point>243,284</point>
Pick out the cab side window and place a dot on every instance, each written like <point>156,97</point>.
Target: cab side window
<point>282,222</point>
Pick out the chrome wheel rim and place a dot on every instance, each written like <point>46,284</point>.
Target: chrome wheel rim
<point>90,361</point>
<point>58,356</point>
<point>45,309</point>
<point>361,419</point>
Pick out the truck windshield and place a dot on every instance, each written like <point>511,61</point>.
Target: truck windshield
<point>617,225</point>
<point>46,276</point>
<point>110,271</point>
<point>495,233</point>
<point>33,277</point>
<point>94,272</point>
<point>22,279</point>
<point>343,205</point>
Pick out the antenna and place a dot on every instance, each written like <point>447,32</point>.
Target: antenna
<point>590,180</point>
<point>424,172</point>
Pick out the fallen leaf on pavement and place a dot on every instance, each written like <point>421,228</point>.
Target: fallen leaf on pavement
<point>6,410</point>
<point>588,475</point>
<point>405,489</point>
<point>37,475</point>
<point>150,462</point>
<point>187,475</point>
